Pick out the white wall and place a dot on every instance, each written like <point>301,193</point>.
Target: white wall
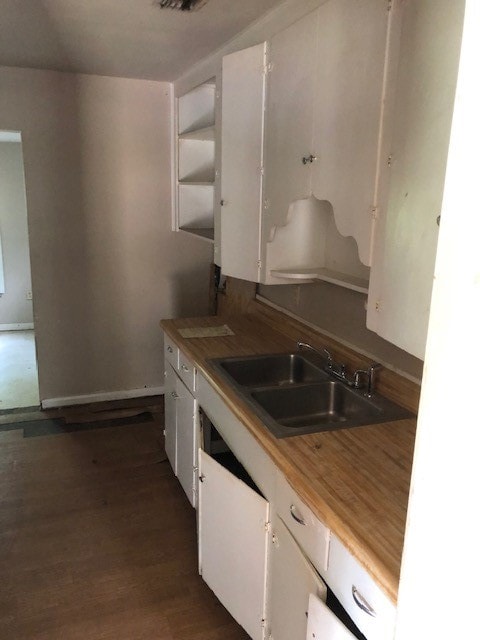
<point>106,266</point>
<point>14,306</point>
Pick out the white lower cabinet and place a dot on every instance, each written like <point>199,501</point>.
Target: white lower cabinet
<point>233,542</point>
<point>292,580</point>
<point>323,623</point>
<point>268,575</point>
<point>181,420</point>
<point>366,604</point>
<point>187,440</point>
<point>171,416</point>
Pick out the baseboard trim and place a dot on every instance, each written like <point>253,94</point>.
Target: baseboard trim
<point>17,326</point>
<point>55,403</point>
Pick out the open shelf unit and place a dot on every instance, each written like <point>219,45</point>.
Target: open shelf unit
<point>196,161</point>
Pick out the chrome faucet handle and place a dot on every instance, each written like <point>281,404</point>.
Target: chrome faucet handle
<point>375,366</point>
<point>369,373</point>
<point>357,375</point>
<point>303,345</point>
<point>329,357</point>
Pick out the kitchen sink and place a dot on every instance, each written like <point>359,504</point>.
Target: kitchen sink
<point>295,396</point>
<point>322,404</point>
<point>275,370</point>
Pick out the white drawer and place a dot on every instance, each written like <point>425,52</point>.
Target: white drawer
<point>171,352</point>
<point>187,372</point>
<point>359,594</point>
<point>312,536</point>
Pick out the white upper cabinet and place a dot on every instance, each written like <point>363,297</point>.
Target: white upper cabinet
<point>289,122</point>
<point>349,86</point>
<point>300,171</point>
<point>243,104</point>
<point>325,91</point>
<point>406,235</point>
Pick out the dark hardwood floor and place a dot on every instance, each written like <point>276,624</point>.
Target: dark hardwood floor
<point>97,539</point>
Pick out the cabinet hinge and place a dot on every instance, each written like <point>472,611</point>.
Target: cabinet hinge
<point>267,526</point>
<point>377,305</point>
<point>390,160</point>
<point>262,171</point>
<point>266,204</point>
<point>259,264</point>
<point>164,432</point>
<point>374,212</point>
<point>389,5</point>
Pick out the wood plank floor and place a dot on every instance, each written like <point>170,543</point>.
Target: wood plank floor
<point>97,539</point>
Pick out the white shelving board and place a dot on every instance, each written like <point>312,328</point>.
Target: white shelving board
<point>196,161</point>
<point>322,273</point>
<point>207,134</point>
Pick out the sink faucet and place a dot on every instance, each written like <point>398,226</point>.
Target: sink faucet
<point>338,370</point>
<point>323,352</point>
<point>370,376</point>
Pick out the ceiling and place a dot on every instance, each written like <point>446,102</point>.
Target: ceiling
<point>126,38</point>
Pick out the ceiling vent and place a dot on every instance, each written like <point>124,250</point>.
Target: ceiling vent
<point>181,5</point>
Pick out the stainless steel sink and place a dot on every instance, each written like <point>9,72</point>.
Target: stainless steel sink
<point>275,370</point>
<point>294,396</point>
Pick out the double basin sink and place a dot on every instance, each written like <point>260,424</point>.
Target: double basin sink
<point>294,396</point>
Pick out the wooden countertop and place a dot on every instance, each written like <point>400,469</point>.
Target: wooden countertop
<point>355,480</point>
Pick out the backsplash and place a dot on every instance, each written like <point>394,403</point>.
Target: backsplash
<point>342,313</point>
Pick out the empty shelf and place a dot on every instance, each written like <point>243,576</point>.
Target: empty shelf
<point>322,273</point>
<point>206,234</point>
<point>205,133</point>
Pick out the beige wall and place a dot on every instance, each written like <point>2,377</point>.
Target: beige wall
<point>105,264</point>
<point>342,313</point>
<point>14,306</point>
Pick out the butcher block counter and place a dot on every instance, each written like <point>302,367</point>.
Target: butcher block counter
<point>355,480</point>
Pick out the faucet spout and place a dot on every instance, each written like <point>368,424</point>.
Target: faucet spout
<point>324,352</point>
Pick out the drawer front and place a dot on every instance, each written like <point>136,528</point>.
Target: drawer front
<point>171,352</point>
<point>312,536</point>
<point>367,605</point>
<point>187,372</point>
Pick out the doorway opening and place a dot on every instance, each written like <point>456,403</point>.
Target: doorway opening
<point>18,363</point>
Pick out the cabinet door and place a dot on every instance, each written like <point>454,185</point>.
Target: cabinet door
<point>293,579</point>
<point>406,236</point>
<point>289,118</point>
<point>186,439</point>
<point>233,544</point>
<point>171,416</point>
<point>243,98</point>
<point>350,62</point>
<point>323,624</point>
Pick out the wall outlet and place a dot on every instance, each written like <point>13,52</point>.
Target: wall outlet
<point>29,295</point>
